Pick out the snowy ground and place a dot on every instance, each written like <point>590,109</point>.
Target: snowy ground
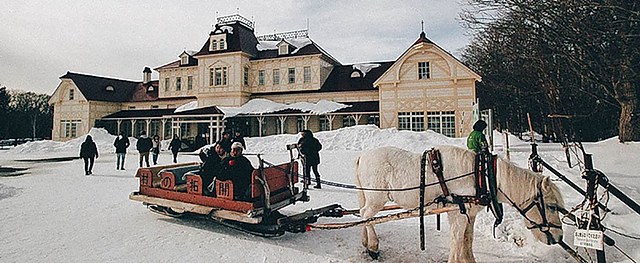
<point>54,213</point>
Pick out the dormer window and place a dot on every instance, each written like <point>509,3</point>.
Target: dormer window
<point>283,49</point>
<point>184,60</point>
<point>214,45</point>
<point>109,88</point>
<point>218,42</point>
<point>356,74</point>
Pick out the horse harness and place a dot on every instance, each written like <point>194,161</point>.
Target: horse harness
<point>485,183</point>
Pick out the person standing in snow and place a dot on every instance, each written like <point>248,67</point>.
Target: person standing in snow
<point>310,147</point>
<point>143,146</point>
<point>476,141</point>
<point>121,143</point>
<point>225,142</point>
<point>88,151</point>
<point>239,138</point>
<point>175,146</point>
<point>155,150</point>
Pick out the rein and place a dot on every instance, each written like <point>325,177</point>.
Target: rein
<point>538,202</point>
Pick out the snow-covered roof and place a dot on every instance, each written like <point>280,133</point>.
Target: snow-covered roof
<point>365,67</point>
<point>228,29</point>
<point>262,106</point>
<point>187,106</point>
<point>298,43</point>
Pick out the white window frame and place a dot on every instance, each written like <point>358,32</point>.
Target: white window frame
<point>443,122</point>
<point>283,49</point>
<point>220,76</point>
<point>292,75</point>
<point>276,76</point>
<point>324,123</point>
<point>411,121</point>
<point>69,128</point>
<point>245,76</point>
<point>424,70</point>
<point>307,74</point>
<point>71,93</point>
<point>167,84</point>
<point>214,45</point>
<point>222,44</point>
<point>189,82</point>
<point>261,77</point>
<point>184,60</point>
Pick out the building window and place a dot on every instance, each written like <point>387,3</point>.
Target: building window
<point>69,128</point>
<point>189,82</point>
<point>71,94</point>
<point>324,123</point>
<point>178,83</point>
<point>184,60</point>
<point>185,130</point>
<point>412,121</point>
<point>220,74</point>
<point>443,122</point>
<point>348,121</point>
<point>423,70</point>
<point>276,76</point>
<point>245,76</point>
<point>374,119</point>
<point>214,45</point>
<point>167,84</point>
<point>307,74</point>
<point>280,129</point>
<point>292,75</point>
<point>132,107</point>
<point>155,106</point>
<point>260,77</point>
<point>222,44</point>
<point>283,49</point>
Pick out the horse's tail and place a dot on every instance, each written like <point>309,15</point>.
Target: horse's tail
<point>361,197</point>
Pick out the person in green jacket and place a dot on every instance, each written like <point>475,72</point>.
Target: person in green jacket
<point>476,141</point>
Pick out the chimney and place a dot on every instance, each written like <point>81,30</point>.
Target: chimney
<point>146,75</point>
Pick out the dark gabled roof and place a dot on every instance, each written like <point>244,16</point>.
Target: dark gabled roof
<point>146,113</point>
<point>340,80</point>
<point>94,87</point>
<point>360,106</point>
<point>242,39</point>
<point>200,111</point>
<point>142,92</point>
<point>310,49</point>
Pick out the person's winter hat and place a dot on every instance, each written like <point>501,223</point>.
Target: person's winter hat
<point>480,125</point>
<point>237,145</point>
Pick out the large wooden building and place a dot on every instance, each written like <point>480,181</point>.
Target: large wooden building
<point>425,88</point>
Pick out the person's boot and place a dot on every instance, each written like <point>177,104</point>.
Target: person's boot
<point>317,186</point>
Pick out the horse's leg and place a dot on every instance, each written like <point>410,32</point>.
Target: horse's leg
<point>461,228</point>
<point>371,208</point>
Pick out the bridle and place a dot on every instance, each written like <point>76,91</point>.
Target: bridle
<point>538,202</point>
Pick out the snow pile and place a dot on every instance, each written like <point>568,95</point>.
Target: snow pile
<point>356,138</point>
<point>102,138</point>
<point>261,106</point>
<point>365,67</point>
<point>187,106</point>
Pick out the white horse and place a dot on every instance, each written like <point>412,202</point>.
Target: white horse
<point>535,196</point>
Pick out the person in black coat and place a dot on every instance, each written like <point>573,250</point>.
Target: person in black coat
<point>88,151</point>
<point>211,166</point>
<point>238,169</point>
<point>225,142</point>
<point>121,143</point>
<point>175,146</point>
<point>309,147</point>
<point>143,146</point>
<point>239,138</point>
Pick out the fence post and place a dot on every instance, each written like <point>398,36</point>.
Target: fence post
<point>592,180</point>
<point>533,158</point>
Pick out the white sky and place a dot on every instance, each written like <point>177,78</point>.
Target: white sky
<point>42,40</point>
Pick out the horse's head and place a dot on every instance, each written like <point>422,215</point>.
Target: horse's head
<point>541,213</point>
